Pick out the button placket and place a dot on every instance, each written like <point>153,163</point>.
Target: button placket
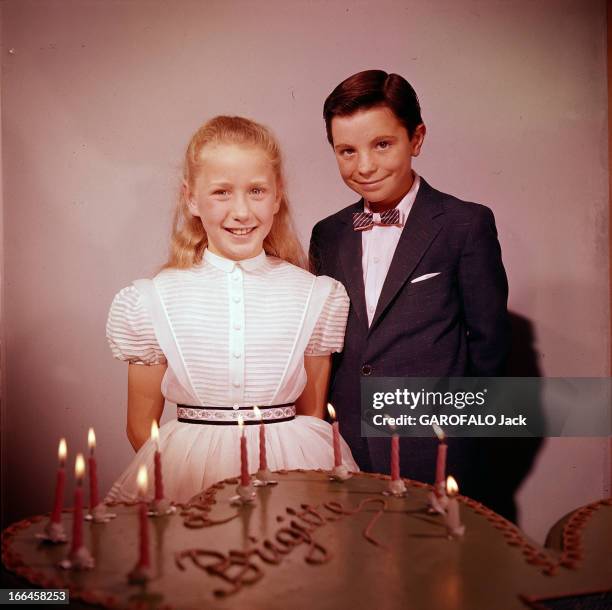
<point>236,343</point>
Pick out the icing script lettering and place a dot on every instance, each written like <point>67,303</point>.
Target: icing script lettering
<point>239,568</point>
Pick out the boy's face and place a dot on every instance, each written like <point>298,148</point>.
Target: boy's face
<point>374,154</point>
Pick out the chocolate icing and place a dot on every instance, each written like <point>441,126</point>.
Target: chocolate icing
<point>280,551</point>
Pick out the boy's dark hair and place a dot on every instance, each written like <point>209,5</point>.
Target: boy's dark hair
<point>369,89</point>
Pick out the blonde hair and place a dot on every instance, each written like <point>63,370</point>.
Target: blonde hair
<point>189,240</point>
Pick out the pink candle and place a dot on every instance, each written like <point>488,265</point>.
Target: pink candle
<point>245,479</point>
<point>263,461</point>
<point>395,465</point>
<point>440,482</point>
<point>244,462</point>
<point>441,465</point>
<point>93,471</point>
<point>337,452</point>
<point>159,482</point>
<point>77,519</point>
<point>93,483</point>
<point>60,484</point>
<point>336,437</point>
<point>144,557</point>
<point>143,560</point>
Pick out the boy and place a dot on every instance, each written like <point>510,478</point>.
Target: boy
<point>423,270</point>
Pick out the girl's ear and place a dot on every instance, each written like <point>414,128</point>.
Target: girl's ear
<point>279,196</point>
<point>191,204</point>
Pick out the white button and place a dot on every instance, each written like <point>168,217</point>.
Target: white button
<point>237,354</point>
<point>236,384</point>
<point>236,299</point>
<point>237,326</point>
<point>376,259</point>
<point>236,407</point>
<point>236,277</point>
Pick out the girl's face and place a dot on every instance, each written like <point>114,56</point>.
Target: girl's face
<point>236,195</point>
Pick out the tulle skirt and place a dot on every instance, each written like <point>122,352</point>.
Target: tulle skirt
<point>194,456</point>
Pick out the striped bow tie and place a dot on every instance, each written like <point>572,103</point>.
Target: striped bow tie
<point>362,221</point>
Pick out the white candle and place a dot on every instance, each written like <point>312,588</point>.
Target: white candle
<point>453,520</point>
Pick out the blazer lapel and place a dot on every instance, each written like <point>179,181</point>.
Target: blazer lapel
<point>349,246</point>
<point>420,229</point>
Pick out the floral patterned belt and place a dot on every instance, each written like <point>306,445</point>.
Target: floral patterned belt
<point>228,416</point>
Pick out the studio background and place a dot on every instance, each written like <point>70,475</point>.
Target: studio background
<point>98,102</point>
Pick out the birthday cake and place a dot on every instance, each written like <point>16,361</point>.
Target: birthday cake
<point>310,542</point>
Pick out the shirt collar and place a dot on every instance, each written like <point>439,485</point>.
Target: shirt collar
<point>227,265</point>
<point>406,203</point>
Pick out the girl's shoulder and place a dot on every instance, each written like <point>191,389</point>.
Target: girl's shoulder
<point>279,270</point>
<point>283,268</point>
<point>172,275</point>
<point>278,265</point>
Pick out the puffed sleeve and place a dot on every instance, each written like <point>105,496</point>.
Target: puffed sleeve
<point>129,330</point>
<point>328,334</point>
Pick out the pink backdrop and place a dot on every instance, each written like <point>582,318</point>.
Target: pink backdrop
<point>99,99</point>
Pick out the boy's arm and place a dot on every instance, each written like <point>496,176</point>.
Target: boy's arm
<point>484,291</point>
<point>315,256</point>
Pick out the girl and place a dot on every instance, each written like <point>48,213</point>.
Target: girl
<point>230,322</point>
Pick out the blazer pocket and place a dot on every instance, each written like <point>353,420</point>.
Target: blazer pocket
<point>422,278</point>
<point>430,285</point>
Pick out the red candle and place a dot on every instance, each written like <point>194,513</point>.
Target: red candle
<point>144,560</point>
<point>77,520</point>
<point>263,461</point>
<point>93,471</point>
<point>60,483</point>
<point>159,483</point>
<point>336,436</point>
<point>395,466</point>
<point>245,479</point>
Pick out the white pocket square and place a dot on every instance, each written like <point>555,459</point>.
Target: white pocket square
<point>424,277</point>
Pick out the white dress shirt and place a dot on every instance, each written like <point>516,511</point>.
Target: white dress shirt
<point>378,247</point>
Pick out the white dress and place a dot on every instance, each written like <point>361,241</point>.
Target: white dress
<point>234,335</point>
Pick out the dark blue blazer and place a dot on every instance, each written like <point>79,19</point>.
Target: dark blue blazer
<point>455,324</point>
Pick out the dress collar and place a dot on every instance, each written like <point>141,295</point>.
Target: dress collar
<point>227,265</point>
